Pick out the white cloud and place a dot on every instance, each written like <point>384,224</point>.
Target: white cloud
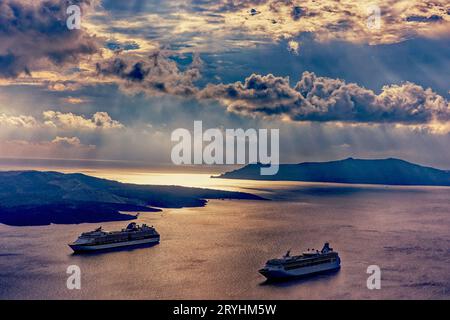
<point>74,100</point>
<point>66,141</point>
<point>71,121</point>
<point>293,46</point>
<point>17,121</point>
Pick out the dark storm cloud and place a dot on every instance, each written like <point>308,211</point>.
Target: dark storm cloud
<point>10,66</point>
<point>297,12</point>
<point>432,18</point>
<point>323,99</point>
<point>33,35</point>
<point>236,5</point>
<point>156,74</point>
<point>114,45</point>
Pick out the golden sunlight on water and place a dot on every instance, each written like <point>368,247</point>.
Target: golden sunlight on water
<point>194,180</point>
<point>201,180</point>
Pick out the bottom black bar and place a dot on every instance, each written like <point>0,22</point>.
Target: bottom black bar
<point>251,309</point>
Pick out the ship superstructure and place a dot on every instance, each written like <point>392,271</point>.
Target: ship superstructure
<point>310,262</point>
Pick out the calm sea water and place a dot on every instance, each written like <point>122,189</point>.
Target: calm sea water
<point>215,252</point>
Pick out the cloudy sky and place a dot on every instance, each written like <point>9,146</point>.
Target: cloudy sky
<point>336,81</point>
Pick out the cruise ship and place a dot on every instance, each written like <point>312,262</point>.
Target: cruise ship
<point>99,239</point>
<point>308,263</point>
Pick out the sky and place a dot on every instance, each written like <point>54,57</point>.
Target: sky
<point>332,78</point>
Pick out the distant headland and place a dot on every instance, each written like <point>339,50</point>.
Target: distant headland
<point>357,171</point>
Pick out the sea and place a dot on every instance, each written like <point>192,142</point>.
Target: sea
<point>214,252</point>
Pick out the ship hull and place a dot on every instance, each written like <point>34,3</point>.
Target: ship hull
<point>281,273</point>
<point>90,248</point>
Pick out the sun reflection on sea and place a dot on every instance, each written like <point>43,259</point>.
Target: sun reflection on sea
<point>197,180</point>
<point>202,180</point>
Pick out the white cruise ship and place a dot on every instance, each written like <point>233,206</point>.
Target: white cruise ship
<point>99,239</point>
<point>310,262</point>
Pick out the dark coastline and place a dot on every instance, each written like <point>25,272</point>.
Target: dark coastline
<point>34,198</point>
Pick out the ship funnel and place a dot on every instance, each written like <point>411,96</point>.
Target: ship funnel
<point>326,248</point>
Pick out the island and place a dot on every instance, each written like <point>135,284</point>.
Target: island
<point>358,171</point>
